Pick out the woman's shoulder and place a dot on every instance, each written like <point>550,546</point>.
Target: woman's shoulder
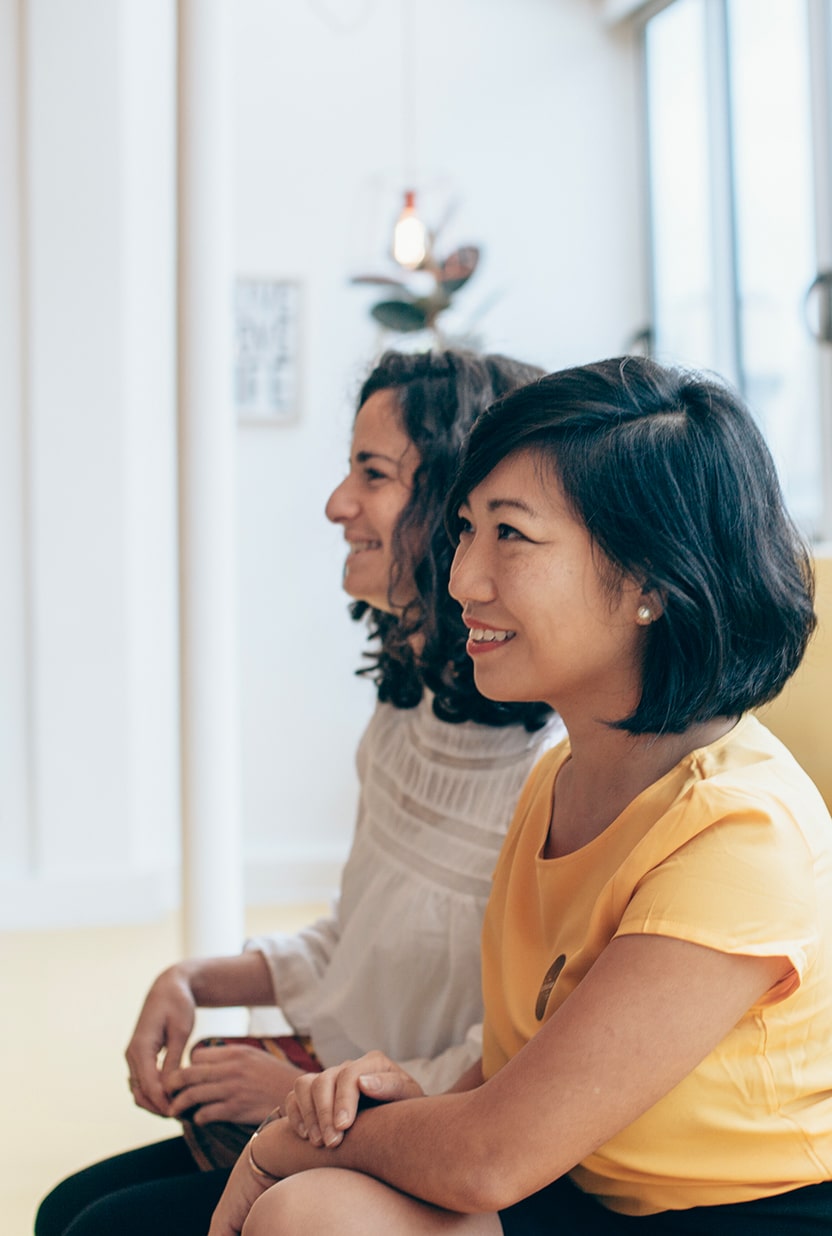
<point>752,765</point>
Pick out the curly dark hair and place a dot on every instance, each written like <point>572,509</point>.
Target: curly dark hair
<point>670,474</point>
<point>439,395</point>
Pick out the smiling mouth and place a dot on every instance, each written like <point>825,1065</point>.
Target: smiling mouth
<point>361,547</point>
<point>488,635</point>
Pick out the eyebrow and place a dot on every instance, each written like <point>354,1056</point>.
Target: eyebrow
<point>513,504</point>
<point>365,456</point>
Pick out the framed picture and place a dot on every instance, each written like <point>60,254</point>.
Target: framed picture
<point>266,351</point>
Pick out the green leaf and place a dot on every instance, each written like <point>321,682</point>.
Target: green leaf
<point>399,315</point>
<point>458,267</point>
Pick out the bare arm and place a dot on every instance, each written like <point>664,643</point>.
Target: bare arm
<point>222,982</point>
<point>648,1012</point>
<point>167,1017</point>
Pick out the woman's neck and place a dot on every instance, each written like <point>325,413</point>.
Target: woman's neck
<point>605,774</point>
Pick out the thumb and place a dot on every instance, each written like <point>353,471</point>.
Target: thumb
<point>174,1049</point>
<point>388,1086</point>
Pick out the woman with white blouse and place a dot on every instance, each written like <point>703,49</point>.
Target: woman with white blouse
<point>440,768</point>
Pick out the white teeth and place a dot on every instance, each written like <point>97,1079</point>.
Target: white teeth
<point>356,547</point>
<point>487,635</point>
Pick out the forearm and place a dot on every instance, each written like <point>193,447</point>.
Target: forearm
<point>221,982</point>
<point>427,1147</point>
<point>650,1009</point>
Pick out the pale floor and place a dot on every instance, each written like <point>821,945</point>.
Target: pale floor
<point>69,1002</point>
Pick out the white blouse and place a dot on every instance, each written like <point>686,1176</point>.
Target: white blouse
<point>397,964</point>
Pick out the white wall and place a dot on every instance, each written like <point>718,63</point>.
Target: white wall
<point>14,718</point>
<point>525,111</point>
<point>93,459</point>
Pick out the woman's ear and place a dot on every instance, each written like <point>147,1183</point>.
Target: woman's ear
<point>650,606</point>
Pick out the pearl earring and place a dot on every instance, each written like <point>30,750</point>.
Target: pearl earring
<point>644,614</point>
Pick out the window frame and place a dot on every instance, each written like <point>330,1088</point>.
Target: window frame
<point>720,155</point>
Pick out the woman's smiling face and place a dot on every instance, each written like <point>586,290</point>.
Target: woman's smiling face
<point>371,498</point>
<point>545,623</point>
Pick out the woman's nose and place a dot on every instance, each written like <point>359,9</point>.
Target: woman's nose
<point>470,579</point>
<point>342,503</point>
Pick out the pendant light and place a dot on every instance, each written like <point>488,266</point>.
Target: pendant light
<point>411,240</point>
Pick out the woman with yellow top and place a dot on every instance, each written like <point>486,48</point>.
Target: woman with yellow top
<point>657,948</point>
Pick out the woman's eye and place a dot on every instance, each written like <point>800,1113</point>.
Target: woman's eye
<point>505,532</point>
<point>463,526</point>
<point>373,474</point>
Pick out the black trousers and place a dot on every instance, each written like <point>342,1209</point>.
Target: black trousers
<point>159,1189</point>
<point>156,1189</point>
<point>561,1209</point>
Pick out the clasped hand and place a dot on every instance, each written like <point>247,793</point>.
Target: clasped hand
<point>321,1107</point>
<point>237,1083</point>
<point>233,1082</point>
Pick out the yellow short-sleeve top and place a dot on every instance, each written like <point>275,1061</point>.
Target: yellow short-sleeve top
<point>732,849</point>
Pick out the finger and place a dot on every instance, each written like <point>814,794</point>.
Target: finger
<point>293,1113</point>
<point>174,1082</point>
<point>141,1099</point>
<point>190,1075</point>
<point>174,1048</point>
<point>346,1098</point>
<point>322,1092</point>
<point>197,1097</point>
<point>311,1093</point>
<point>204,1053</point>
<point>388,1086</point>
<point>335,1094</point>
<point>145,1084</point>
<point>223,1068</point>
<point>182,1104</point>
<point>209,1113</point>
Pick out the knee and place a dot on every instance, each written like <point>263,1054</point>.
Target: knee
<point>57,1210</point>
<point>289,1207</point>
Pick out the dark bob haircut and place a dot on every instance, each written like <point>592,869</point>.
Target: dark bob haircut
<point>671,477</point>
<point>439,395</point>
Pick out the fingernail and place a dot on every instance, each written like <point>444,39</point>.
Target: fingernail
<point>370,1081</point>
<point>301,1131</point>
<point>334,1139</point>
<point>342,1120</point>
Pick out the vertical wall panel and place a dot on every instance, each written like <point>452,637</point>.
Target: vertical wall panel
<point>14,700</point>
<point>87,459</point>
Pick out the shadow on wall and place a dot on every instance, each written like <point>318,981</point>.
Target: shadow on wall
<point>801,716</point>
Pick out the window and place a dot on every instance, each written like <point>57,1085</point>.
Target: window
<point>738,135</point>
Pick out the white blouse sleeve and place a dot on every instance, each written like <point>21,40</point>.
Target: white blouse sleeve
<point>296,964</point>
<point>439,1073</point>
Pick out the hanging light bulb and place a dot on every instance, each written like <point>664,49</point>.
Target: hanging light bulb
<point>411,242</point>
